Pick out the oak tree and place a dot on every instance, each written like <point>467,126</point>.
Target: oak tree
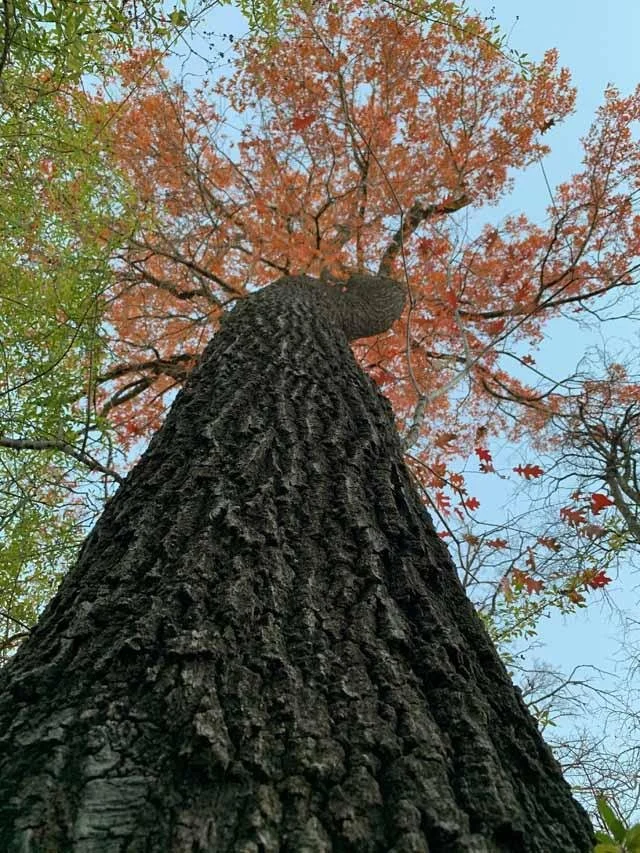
<point>264,644</point>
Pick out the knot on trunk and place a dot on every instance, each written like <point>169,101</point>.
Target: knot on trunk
<point>361,306</point>
<point>366,305</point>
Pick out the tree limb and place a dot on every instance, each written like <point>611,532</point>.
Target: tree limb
<point>62,446</point>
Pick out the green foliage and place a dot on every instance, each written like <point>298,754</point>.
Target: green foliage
<point>263,15</point>
<point>516,615</point>
<point>68,39</point>
<point>58,194</point>
<point>619,838</point>
<point>56,204</point>
<point>38,537</point>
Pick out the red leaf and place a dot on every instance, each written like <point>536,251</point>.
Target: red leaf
<point>599,580</point>
<point>495,327</point>
<point>443,502</point>
<point>529,472</point>
<point>600,502</point>
<point>472,503</point>
<point>497,543</point>
<point>572,516</point>
<point>483,454</point>
<point>303,121</point>
<point>451,299</point>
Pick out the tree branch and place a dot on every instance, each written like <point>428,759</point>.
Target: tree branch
<point>417,214</point>
<point>63,447</point>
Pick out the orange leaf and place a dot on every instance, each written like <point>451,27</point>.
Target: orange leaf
<point>445,438</point>
<point>549,542</point>
<point>522,580</point>
<point>573,517</point>
<point>302,122</point>
<point>532,585</point>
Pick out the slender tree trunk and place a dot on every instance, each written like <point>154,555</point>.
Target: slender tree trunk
<point>264,645</point>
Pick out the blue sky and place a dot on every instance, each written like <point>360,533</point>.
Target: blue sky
<point>598,42</point>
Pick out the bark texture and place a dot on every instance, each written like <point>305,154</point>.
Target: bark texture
<point>264,646</point>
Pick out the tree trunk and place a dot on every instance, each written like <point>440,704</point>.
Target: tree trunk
<point>264,646</point>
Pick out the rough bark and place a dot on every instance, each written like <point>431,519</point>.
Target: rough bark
<point>263,645</point>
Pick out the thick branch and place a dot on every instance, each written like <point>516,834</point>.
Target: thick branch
<point>8,14</point>
<point>417,214</point>
<point>166,366</point>
<point>178,258</point>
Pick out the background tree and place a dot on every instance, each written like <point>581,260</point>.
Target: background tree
<point>588,501</point>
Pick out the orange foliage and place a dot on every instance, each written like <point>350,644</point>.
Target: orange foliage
<point>350,145</point>
<point>522,580</point>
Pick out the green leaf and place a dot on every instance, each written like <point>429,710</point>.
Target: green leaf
<point>613,824</point>
<point>178,18</point>
<point>632,839</point>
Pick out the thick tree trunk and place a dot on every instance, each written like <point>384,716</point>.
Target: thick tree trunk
<point>264,645</point>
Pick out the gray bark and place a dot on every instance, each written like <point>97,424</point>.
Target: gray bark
<point>264,646</point>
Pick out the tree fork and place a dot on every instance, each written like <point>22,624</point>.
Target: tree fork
<point>264,645</point>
